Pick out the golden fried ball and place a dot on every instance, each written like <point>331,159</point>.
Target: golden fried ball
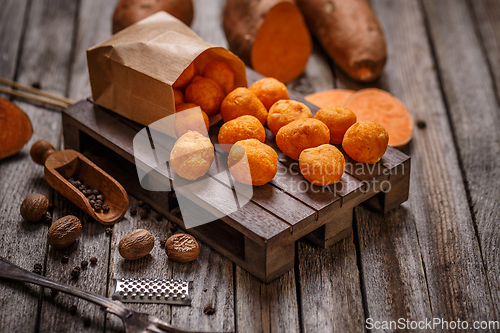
<point>241,128</point>
<point>285,111</point>
<point>178,97</point>
<point>301,134</point>
<point>366,142</point>
<point>185,78</point>
<point>240,102</point>
<point>338,120</point>
<point>192,155</point>
<point>269,91</point>
<point>192,119</point>
<point>322,165</point>
<point>252,162</point>
<point>206,93</point>
<point>221,73</point>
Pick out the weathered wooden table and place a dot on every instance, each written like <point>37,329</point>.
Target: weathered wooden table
<point>435,257</point>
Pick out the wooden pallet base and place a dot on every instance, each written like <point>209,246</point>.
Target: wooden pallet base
<point>261,235</point>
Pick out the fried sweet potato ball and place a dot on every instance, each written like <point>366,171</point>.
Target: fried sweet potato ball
<point>366,142</point>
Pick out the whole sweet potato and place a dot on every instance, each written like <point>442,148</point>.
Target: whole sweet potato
<point>350,33</point>
<point>269,35</point>
<point>128,12</point>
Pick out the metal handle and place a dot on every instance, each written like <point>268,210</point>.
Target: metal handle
<point>13,272</point>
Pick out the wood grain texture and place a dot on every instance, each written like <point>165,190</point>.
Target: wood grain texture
<point>12,18</point>
<point>93,26</point>
<point>330,288</point>
<point>271,307</point>
<point>93,242</point>
<point>438,227</point>
<point>44,59</point>
<point>487,19</point>
<point>475,113</point>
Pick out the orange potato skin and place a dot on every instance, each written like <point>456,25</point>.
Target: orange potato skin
<point>241,128</point>
<point>185,78</point>
<point>221,73</point>
<point>260,165</point>
<point>191,120</point>
<point>338,120</point>
<point>366,142</point>
<point>240,102</point>
<point>269,91</point>
<point>284,112</point>
<point>192,155</point>
<point>128,12</point>
<point>206,93</point>
<point>322,165</point>
<point>301,134</point>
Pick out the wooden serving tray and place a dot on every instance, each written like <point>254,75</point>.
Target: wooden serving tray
<point>261,235</point>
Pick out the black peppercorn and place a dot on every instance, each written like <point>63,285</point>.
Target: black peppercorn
<point>133,211</point>
<point>99,197</point>
<point>84,264</point>
<point>86,322</point>
<point>75,273</point>
<point>96,192</point>
<point>105,208</point>
<point>82,188</point>
<point>78,183</point>
<point>109,231</point>
<point>163,242</point>
<point>93,260</point>
<point>92,197</point>
<point>97,208</point>
<point>92,203</point>
<point>65,259</point>
<point>421,124</point>
<point>47,218</point>
<point>72,309</point>
<point>99,202</point>
<point>38,267</point>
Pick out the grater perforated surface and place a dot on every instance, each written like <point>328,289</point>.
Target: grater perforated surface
<point>164,291</point>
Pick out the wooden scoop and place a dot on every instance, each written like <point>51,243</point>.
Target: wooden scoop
<point>61,165</point>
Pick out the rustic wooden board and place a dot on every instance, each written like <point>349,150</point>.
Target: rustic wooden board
<point>93,242</point>
<point>440,228</point>
<point>474,112</point>
<point>19,176</point>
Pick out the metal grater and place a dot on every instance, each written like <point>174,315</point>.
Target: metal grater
<point>153,291</point>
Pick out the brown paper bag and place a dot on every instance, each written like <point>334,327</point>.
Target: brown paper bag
<point>132,72</point>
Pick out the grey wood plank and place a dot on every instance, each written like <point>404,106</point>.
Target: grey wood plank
<point>438,228</point>
<point>43,60</point>
<point>475,115</point>
<point>93,26</point>
<point>487,18</point>
<point>12,18</point>
<point>261,307</point>
<point>329,285</point>
<point>93,18</point>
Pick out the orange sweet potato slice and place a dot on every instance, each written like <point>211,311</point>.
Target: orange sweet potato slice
<point>382,107</point>
<point>331,97</point>
<point>269,35</point>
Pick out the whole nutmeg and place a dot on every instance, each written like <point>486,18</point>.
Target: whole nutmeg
<point>136,245</point>
<point>182,248</point>
<point>34,207</point>
<point>64,232</point>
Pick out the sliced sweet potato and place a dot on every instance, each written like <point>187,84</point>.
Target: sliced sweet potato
<point>350,33</point>
<point>331,97</point>
<point>128,12</point>
<point>382,107</point>
<point>269,35</point>
<point>15,128</point>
